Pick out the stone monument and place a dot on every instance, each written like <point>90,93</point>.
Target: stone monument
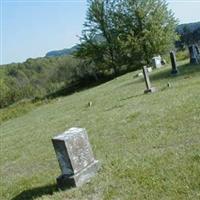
<point>147,81</point>
<point>173,62</point>
<point>75,158</point>
<point>194,54</point>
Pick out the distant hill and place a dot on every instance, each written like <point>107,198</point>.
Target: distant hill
<point>70,51</point>
<point>190,26</point>
<point>62,52</point>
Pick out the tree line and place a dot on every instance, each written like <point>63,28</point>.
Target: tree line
<point>37,78</point>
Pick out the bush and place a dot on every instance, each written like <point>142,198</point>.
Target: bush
<point>182,55</point>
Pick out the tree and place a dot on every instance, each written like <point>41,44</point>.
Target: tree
<point>100,38</point>
<point>133,31</point>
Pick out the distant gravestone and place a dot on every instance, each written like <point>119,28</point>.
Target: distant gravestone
<point>75,158</point>
<point>174,64</point>
<point>147,81</point>
<point>194,54</point>
<point>156,61</point>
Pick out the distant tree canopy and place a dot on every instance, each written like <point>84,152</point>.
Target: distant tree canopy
<point>129,33</point>
<point>39,77</point>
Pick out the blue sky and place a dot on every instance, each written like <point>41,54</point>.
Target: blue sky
<point>31,28</point>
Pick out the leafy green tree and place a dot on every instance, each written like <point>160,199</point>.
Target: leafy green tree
<point>100,43</point>
<point>40,77</point>
<point>150,25</point>
<point>132,32</point>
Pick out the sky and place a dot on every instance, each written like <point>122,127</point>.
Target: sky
<point>31,28</point>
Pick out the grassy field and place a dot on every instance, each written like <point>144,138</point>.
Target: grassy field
<point>148,145</point>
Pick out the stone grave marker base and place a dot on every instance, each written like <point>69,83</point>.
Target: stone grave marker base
<point>78,179</point>
<point>151,90</point>
<point>174,72</point>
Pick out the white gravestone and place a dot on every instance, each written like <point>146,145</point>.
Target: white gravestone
<point>157,62</point>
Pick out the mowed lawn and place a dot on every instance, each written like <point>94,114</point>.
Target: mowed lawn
<point>148,145</point>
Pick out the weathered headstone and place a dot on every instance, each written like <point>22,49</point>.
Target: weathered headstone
<point>174,64</point>
<point>75,158</point>
<point>194,54</point>
<point>147,81</point>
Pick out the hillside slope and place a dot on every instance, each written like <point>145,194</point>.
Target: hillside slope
<point>148,145</point>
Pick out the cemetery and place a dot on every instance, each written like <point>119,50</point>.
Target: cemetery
<point>115,117</point>
<point>131,144</point>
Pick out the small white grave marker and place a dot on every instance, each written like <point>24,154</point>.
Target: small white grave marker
<point>157,62</point>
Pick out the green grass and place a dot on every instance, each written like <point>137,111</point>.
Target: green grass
<point>18,109</point>
<point>148,145</point>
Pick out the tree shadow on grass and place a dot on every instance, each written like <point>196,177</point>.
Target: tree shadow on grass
<point>79,86</point>
<point>36,192</point>
<point>130,97</point>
